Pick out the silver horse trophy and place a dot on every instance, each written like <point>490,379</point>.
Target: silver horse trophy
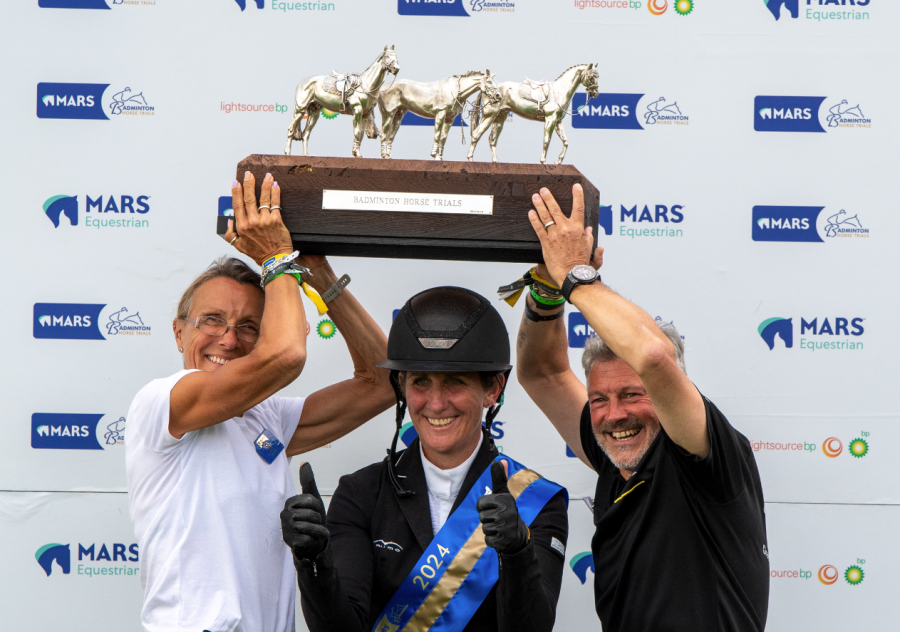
<point>546,101</point>
<point>442,100</point>
<point>354,94</point>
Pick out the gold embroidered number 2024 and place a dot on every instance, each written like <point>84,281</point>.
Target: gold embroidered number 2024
<point>430,570</point>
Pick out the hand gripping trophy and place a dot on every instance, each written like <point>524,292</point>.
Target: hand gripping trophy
<point>354,94</point>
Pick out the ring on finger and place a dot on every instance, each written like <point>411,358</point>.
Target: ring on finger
<point>275,208</point>
<point>549,224</point>
<point>231,243</point>
<point>264,207</point>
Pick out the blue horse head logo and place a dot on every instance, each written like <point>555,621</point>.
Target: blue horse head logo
<point>62,205</point>
<point>580,565</point>
<point>791,5</point>
<point>49,552</point>
<point>772,327</point>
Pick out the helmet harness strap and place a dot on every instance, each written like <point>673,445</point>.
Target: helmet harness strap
<point>493,410</point>
<point>401,413</point>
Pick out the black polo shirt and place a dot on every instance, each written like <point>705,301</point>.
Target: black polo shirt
<point>682,544</point>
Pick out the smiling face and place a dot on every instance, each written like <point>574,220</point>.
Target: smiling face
<point>237,304</point>
<point>622,415</point>
<point>446,411</point>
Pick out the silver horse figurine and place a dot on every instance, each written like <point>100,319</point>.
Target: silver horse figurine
<point>546,101</point>
<point>346,94</point>
<point>442,100</point>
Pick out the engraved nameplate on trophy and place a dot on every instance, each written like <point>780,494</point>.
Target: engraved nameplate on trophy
<point>416,209</point>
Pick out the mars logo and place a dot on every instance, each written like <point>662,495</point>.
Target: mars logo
<point>580,564</point>
<point>579,330</point>
<point>75,321</point>
<point>606,111</point>
<point>787,114</point>
<point>260,4</point>
<point>781,8</point>
<point>71,101</point>
<point>62,431</point>
<point>783,328</point>
<point>53,552</point>
<point>658,214</point>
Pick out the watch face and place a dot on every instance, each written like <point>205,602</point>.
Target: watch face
<point>584,273</point>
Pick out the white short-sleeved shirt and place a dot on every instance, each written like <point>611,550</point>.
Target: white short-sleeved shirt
<point>206,514</point>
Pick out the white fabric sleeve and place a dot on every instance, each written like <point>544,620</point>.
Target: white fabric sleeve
<point>150,414</point>
<point>291,408</point>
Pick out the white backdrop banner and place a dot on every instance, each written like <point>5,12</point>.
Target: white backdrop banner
<point>743,151</point>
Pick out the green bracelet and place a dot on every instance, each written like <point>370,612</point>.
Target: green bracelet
<point>544,301</point>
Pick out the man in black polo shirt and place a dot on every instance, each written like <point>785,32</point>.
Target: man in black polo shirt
<point>680,541</point>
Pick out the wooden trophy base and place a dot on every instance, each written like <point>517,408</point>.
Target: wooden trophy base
<point>416,209</point>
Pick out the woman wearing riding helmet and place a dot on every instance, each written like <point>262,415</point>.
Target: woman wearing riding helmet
<point>447,534</point>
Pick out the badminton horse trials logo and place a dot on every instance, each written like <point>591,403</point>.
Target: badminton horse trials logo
<point>580,565</point>
<point>800,224</point>
<point>454,7</point>
<point>59,553</point>
<point>783,327</point>
<point>62,205</point>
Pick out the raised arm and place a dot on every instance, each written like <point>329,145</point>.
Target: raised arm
<point>334,411</point>
<point>543,370</point>
<point>627,329</point>
<point>208,397</point>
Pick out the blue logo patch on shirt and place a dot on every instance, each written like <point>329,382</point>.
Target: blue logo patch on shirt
<point>268,447</point>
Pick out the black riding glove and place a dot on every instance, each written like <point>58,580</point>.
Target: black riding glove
<point>303,519</point>
<point>503,529</point>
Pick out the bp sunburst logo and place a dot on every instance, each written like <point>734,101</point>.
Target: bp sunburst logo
<point>859,448</point>
<point>683,7</point>
<point>329,114</point>
<point>326,329</point>
<point>854,575</point>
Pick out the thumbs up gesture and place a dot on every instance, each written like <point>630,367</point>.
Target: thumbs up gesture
<point>303,519</point>
<point>503,529</point>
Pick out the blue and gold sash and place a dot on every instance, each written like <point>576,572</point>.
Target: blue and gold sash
<point>457,570</point>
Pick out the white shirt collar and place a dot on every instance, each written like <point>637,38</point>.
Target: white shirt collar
<point>447,483</point>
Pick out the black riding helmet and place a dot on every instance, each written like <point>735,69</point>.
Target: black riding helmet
<point>445,329</point>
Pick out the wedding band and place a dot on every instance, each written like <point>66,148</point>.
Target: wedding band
<point>264,207</point>
<point>275,208</point>
<point>231,243</point>
<point>549,224</point>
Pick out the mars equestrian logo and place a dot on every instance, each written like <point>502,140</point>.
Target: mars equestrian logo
<point>805,224</point>
<point>817,328</point>
<point>621,111</point>
<point>115,211</point>
<point>459,8</point>
<point>840,10</point>
<point>122,559</point>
